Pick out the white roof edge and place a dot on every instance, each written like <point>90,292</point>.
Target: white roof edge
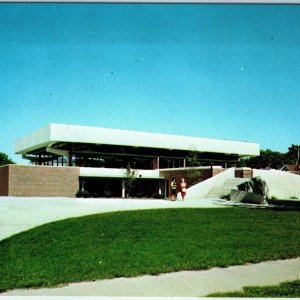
<point>34,140</point>
<point>84,134</point>
<point>117,173</point>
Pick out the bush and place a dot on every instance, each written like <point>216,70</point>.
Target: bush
<point>96,195</point>
<point>158,196</point>
<point>83,194</point>
<point>139,195</point>
<point>108,193</point>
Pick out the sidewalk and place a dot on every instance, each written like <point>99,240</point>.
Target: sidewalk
<point>22,213</point>
<point>179,284</point>
<point>19,213</point>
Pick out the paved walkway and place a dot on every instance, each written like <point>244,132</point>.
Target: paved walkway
<point>19,214</point>
<point>179,284</point>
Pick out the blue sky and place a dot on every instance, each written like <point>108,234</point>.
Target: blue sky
<point>215,71</point>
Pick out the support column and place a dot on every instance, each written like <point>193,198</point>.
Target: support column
<point>166,188</point>
<point>63,153</point>
<point>159,188</point>
<point>123,189</point>
<point>69,158</point>
<point>211,169</point>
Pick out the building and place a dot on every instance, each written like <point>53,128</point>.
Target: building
<point>291,168</point>
<point>66,158</point>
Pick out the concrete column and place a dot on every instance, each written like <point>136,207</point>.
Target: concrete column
<point>159,188</point>
<point>167,187</point>
<point>123,189</point>
<point>63,153</point>
<point>69,159</point>
<point>211,169</point>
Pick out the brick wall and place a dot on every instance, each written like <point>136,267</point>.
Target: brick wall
<point>43,181</point>
<point>4,180</point>
<point>243,173</point>
<point>182,173</point>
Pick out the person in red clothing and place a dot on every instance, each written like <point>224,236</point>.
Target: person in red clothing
<point>183,188</point>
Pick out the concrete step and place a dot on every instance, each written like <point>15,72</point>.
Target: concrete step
<point>225,188</point>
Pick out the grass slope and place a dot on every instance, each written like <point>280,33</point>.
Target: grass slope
<point>132,243</point>
<point>289,289</point>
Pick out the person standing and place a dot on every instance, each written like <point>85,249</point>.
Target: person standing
<point>174,189</point>
<point>183,188</point>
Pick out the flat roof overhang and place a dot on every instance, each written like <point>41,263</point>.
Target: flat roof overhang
<point>117,173</point>
<point>55,133</point>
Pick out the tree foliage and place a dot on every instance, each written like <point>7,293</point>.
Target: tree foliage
<point>292,156</point>
<point>129,179</point>
<point>5,160</point>
<point>193,173</point>
<point>272,159</point>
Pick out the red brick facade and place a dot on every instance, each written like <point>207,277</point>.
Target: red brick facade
<point>50,181</point>
<point>205,173</point>
<point>38,181</point>
<point>4,180</point>
<point>243,173</point>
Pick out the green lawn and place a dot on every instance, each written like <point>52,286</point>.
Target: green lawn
<point>132,243</point>
<point>290,289</point>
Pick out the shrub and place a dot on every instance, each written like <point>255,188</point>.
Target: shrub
<point>108,193</point>
<point>83,194</point>
<point>139,195</point>
<point>95,195</point>
<point>158,196</point>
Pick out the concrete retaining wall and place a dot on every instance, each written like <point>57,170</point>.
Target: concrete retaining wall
<point>201,189</point>
<point>281,184</point>
<point>245,197</point>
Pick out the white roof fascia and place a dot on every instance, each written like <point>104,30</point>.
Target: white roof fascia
<point>95,135</point>
<point>117,173</point>
<point>35,140</point>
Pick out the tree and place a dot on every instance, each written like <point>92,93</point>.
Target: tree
<point>193,173</point>
<point>5,160</point>
<point>129,179</point>
<point>271,159</point>
<point>292,156</point>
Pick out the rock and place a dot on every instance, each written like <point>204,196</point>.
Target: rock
<point>254,191</point>
<point>256,185</point>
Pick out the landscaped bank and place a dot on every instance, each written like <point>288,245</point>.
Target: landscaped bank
<point>146,242</point>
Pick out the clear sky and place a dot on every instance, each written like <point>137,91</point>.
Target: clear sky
<point>214,71</point>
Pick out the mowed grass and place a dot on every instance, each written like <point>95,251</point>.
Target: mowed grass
<point>289,289</point>
<point>133,243</point>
